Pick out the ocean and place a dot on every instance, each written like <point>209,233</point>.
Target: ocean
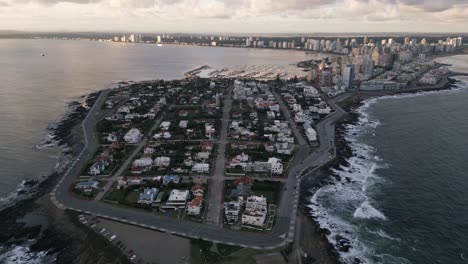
<point>401,197</point>
<point>35,90</point>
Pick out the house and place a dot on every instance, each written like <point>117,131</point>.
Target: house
<point>165,125</point>
<point>87,186</point>
<point>284,148</point>
<point>310,132</point>
<point>98,167</point>
<point>171,178</point>
<point>194,207</point>
<point>111,138</point>
<point>133,136</point>
<point>177,199</point>
<point>203,155</point>
<point>140,170</point>
<point>198,190</point>
<point>210,131</point>
<point>124,182</point>
<point>183,123</point>
<point>201,168</point>
<point>271,115</point>
<point>276,166</point>
<point>258,167</point>
<point>255,212</point>
<point>231,212</point>
<point>188,162</point>
<point>183,113</point>
<point>123,109</point>
<point>240,160</point>
<point>243,187</point>
<point>148,196</point>
<point>207,146</point>
<point>149,150</point>
<point>269,146</point>
<point>162,161</point>
<point>143,162</point>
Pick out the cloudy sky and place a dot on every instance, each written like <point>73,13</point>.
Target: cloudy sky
<point>250,16</point>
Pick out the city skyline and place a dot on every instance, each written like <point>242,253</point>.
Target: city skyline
<point>264,16</point>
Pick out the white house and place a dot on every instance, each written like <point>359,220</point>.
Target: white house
<point>149,150</point>
<point>134,135</point>
<point>123,109</point>
<point>162,161</point>
<point>143,162</point>
<point>255,211</point>
<point>210,131</point>
<point>177,199</point>
<point>276,166</point>
<point>232,211</point>
<point>201,168</point>
<point>111,137</point>
<point>203,155</point>
<point>183,123</point>
<point>284,148</point>
<point>165,125</point>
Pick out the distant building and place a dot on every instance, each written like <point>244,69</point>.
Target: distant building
<point>348,75</point>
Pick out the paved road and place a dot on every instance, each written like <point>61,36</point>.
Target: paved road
<point>283,231</point>
<point>215,194</point>
<point>130,158</point>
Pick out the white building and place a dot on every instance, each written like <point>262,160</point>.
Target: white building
<point>143,162</point>
<point>255,212</point>
<point>177,199</point>
<point>165,125</point>
<point>232,211</point>
<point>284,148</point>
<point>276,166</point>
<point>183,123</point>
<point>133,136</point>
<point>201,168</point>
<point>112,137</point>
<point>162,161</point>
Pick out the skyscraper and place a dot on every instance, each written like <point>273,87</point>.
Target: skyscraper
<point>348,75</point>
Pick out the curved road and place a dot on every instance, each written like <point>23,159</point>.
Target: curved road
<point>283,230</point>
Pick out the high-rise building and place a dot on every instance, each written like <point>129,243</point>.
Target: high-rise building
<point>248,42</point>
<point>348,75</point>
<point>159,39</point>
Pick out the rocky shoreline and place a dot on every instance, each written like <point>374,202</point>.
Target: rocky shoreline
<point>31,223</point>
<point>343,152</point>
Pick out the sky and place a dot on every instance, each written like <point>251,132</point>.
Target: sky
<point>235,16</point>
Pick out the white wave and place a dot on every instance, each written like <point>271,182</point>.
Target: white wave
<point>337,206</point>
<point>13,195</point>
<point>21,254</point>
<point>367,211</point>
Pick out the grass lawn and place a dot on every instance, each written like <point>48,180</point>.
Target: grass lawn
<point>116,195</point>
<point>132,197</point>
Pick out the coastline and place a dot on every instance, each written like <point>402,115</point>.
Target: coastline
<point>326,175</point>
<point>34,230</point>
<point>68,139</point>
